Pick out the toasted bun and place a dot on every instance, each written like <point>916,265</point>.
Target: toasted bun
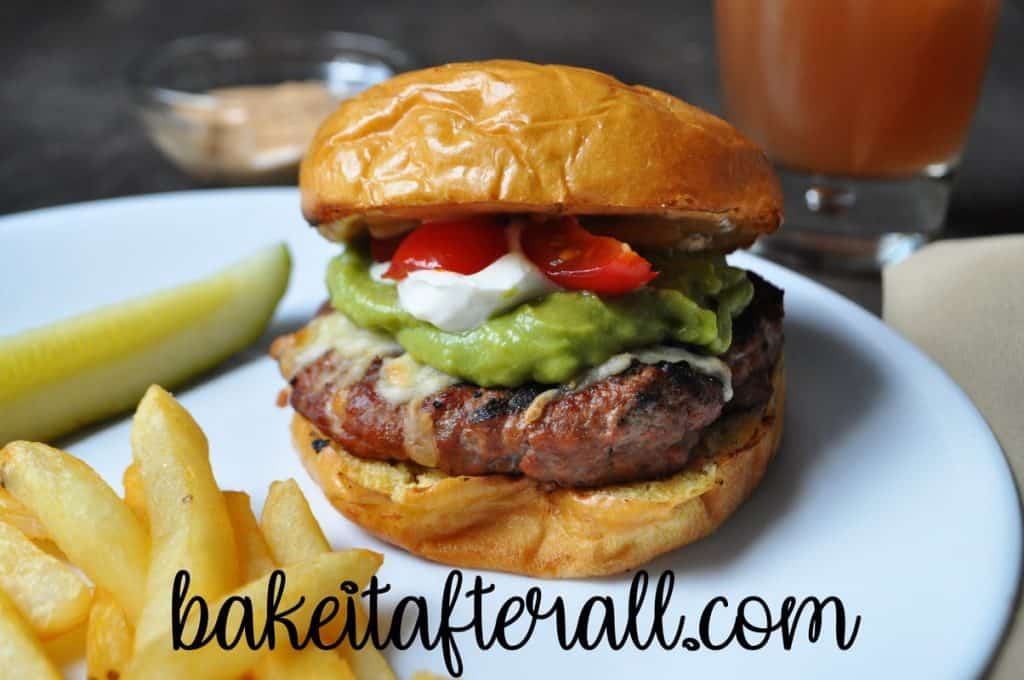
<point>519,525</point>
<point>511,136</point>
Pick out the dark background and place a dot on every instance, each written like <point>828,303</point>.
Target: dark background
<point>68,131</point>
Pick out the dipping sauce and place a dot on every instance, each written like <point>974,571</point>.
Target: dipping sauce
<point>253,134</point>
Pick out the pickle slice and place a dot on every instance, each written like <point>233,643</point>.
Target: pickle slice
<point>59,377</point>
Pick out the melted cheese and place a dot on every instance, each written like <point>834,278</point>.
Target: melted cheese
<point>657,354</point>
<point>613,366</point>
<point>701,363</point>
<point>403,379</point>
<point>336,332</point>
<point>536,408</point>
<point>418,435</point>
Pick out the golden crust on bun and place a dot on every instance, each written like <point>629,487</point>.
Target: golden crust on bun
<point>514,137</point>
<point>519,525</point>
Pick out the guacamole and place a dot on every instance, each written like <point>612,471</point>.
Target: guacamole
<point>554,338</point>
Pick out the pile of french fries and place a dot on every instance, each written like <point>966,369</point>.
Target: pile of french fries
<point>59,521</point>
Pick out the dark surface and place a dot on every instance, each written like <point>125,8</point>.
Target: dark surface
<point>69,133</point>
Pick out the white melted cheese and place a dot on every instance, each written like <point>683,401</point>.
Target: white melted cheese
<point>402,379</point>
<point>701,363</point>
<point>536,408</point>
<point>612,366</point>
<point>656,354</point>
<point>458,302</point>
<point>336,332</point>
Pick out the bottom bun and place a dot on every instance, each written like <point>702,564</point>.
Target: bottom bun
<point>519,525</point>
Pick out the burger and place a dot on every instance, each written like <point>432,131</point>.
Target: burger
<point>535,357</point>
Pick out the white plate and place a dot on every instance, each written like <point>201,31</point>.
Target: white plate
<point>889,491</point>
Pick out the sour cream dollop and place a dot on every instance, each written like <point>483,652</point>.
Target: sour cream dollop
<point>458,302</point>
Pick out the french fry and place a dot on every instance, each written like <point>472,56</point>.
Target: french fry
<point>293,535</point>
<point>51,499</point>
<point>314,580</point>
<point>289,526</point>
<point>253,554</point>
<point>83,516</point>
<point>312,663</point>
<point>51,597</point>
<point>188,518</point>
<point>17,515</point>
<point>281,663</point>
<point>21,653</point>
<point>134,494</point>
<point>108,644</point>
<point>67,648</point>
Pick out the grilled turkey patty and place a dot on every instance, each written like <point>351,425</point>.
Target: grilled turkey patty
<point>638,425</point>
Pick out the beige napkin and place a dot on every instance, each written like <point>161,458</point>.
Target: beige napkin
<point>962,302</point>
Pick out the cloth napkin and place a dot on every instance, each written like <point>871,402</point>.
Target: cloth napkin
<point>962,302</point>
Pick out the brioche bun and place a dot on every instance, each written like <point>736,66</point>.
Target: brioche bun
<point>516,137</point>
<point>519,525</point>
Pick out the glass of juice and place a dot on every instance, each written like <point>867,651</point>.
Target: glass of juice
<point>864,105</point>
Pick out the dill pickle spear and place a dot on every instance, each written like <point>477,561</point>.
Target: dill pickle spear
<point>59,377</point>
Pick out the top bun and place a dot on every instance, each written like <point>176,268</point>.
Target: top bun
<point>514,137</point>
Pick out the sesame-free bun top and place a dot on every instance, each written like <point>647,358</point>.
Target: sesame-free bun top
<point>517,137</point>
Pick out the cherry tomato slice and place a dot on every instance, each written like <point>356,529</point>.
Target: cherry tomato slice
<point>383,249</point>
<point>464,246</point>
<point>574,258</point>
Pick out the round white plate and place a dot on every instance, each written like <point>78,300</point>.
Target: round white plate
<point>890,492</point>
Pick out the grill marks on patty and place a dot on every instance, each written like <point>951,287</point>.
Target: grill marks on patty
<point>515,400</point>
<point>598,435</point>
<point>637,425</point>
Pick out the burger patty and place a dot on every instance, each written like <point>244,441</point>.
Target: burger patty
<point>637,425</point>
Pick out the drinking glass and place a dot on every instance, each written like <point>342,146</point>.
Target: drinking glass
<point>864,105</point>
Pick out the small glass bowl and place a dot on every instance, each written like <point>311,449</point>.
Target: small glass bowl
<point>190,99</point>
